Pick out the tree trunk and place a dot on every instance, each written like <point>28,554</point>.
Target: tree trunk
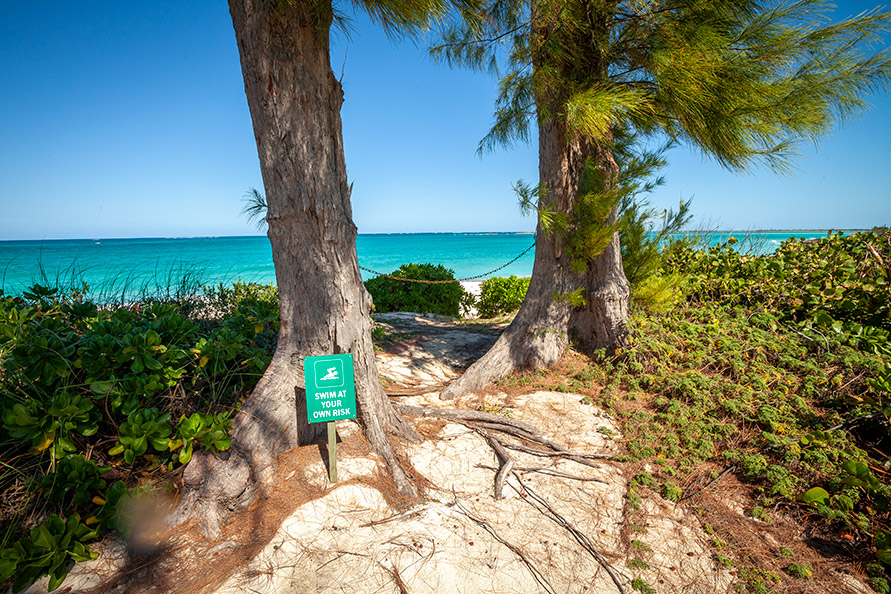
<point>545,323</point>
<point>295,102</point>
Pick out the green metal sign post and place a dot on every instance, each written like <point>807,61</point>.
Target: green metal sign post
<point>330,396</point>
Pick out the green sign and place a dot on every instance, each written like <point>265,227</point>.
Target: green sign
<point>330,388</point>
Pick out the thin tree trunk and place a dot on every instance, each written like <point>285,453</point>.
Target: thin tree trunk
<point>545,323</point>
<point>295,102</point>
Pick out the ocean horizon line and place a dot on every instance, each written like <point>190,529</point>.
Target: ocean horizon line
<point>176,238</point>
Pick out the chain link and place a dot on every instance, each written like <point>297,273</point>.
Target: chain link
<point>445,282</point>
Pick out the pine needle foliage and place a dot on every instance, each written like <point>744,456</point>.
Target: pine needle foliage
<point>744,81</point>
<point>255,207</point>
<point>589,226</point>
<point>397,18</point>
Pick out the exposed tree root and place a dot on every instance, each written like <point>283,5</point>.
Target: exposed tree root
<point>463,414</point>
<point>481,422</point>
<point>578,457</point>
<point>405,514</point>
<point>506,462</point>
<point>507,467</point>
<point>530,342</point>
<point>550,472</point>
<point>536,573</point>
<point>580,537</point>
<point>537,438</point>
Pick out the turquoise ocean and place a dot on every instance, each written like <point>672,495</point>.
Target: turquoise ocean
<point>124,268</point>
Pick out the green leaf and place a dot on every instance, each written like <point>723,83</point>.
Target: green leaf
<point>140,445</point>
<point>160,443</point>
<point>102,388</point>
<point>41,537</point>
<point>8,565</point>
<point>854,482</point>
<point>843,502</point>
<point>57,576</point>
<point>186,454</point>
<point>857,469</point>
<point>814,495</point>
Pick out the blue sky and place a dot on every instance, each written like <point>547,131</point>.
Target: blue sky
<point>123,119</point>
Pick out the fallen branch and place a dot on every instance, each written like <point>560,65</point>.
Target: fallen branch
<point>854,421</point>
<point>536,573</point>
<point>806,337</point>
<point>579,536</point>
<point>878,257</point>
<point>403,392</point>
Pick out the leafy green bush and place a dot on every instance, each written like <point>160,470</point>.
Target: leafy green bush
<point>75,377</point>
<point>500,295</point>
<point>75,476</point>
<point>51,426</point>
<point>395,295</point>
<point>48,550</point>
<point>779,365</point>
<point>838,278</point>
<point>227,300</point>
<point>208,431</point>
<point>143,427</point>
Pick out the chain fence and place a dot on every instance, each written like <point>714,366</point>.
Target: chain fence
<point>445,282</point>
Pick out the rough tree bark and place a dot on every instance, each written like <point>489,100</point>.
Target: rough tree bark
<point>295,102</point>
<point>541,329</point>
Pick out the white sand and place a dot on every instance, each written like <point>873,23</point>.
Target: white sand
<point>472,287</point>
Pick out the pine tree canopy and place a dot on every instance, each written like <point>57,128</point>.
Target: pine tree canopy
<point>395,17</point>
<point>744,81</point>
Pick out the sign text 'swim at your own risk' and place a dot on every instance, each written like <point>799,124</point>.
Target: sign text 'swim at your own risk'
<point>330,388</point>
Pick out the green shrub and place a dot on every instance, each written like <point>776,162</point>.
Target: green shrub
<point>142,428</point>
<point>804,571</point>
<point>75,476</point>
<point>206,430</point>
<point>396,295</point>
<point>227,300</point>
<point>500,295</point>
<point>48,550</point>
<point>837,283</point>
<point>74,376</point>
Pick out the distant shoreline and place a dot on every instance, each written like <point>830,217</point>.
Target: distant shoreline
<point>264,236</point>
<point>787,231</point>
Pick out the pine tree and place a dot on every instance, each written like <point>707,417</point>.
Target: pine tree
<point>295,100</point>
<point>743,81</point>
